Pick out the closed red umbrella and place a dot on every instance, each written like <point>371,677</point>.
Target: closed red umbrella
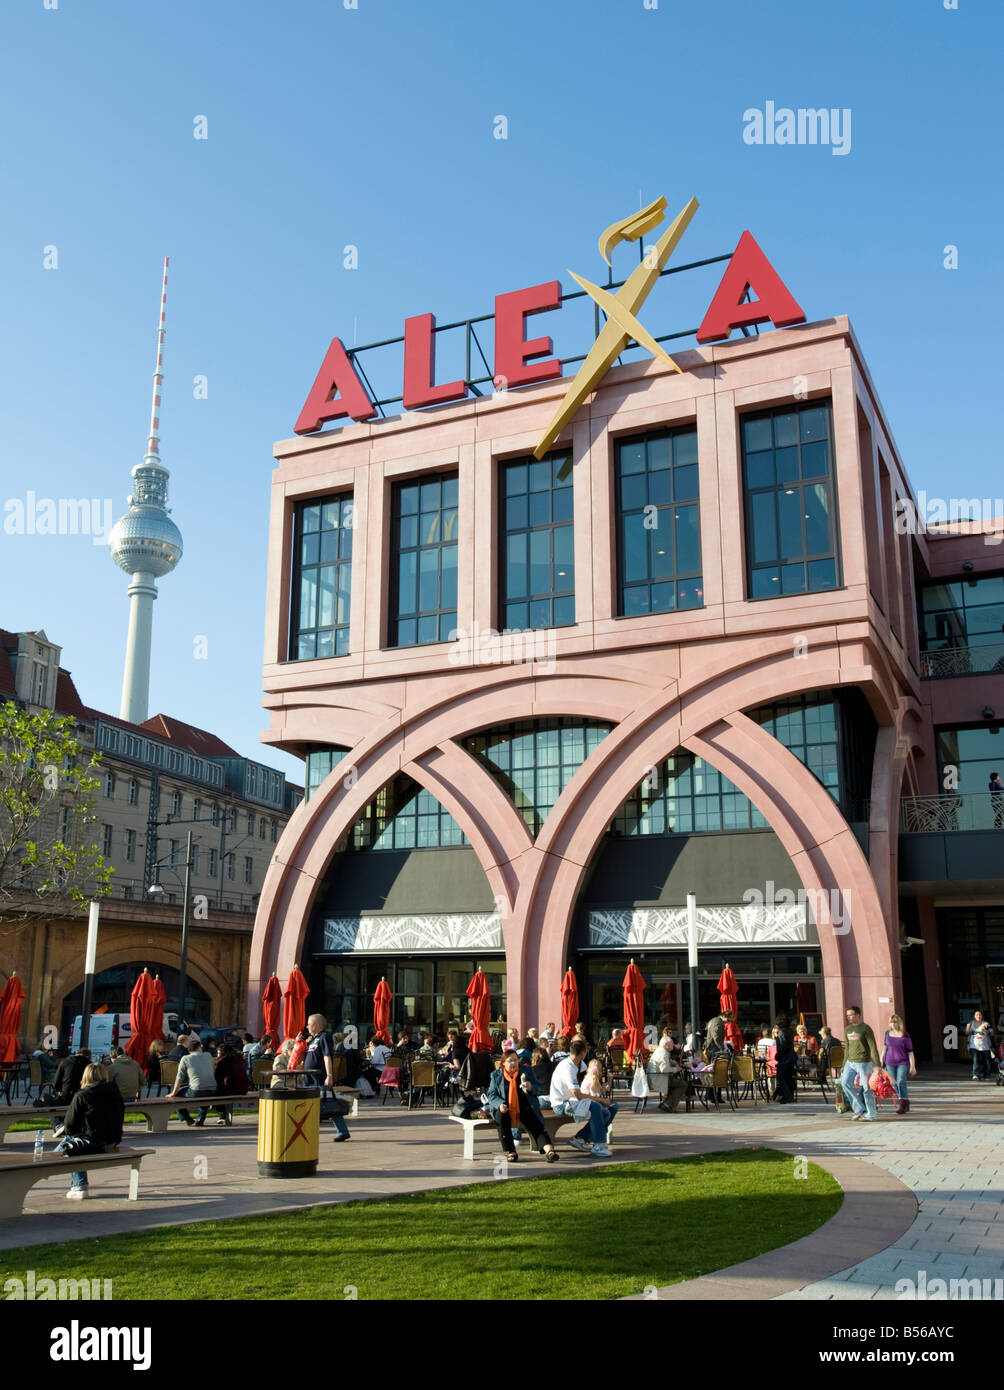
<point>10,1019</point>
<point>141,1018</point>
<point>634,1012</point>
<point>478,993</point>
<point>294,1009</point>
<point>728,997</point>
<point>381,1012</point>
<point>271,1007</point>
<point>569,1002</point>
<point>157,1008</point>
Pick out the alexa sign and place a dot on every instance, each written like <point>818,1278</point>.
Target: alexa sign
<point>338,392</point>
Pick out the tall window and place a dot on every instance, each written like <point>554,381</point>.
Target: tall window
<point>262,828</point>
<point>322,579</point>
<point>197,810</point>
<point>791,533</point>
<point>175,850</point>
<point>424,561</point>
<point>216,813</point>
<point>212,863</point>
<point>963,625</point>
<point>248,862</point>
<point>130,845</point>
<point>659,523</point>
<point>176,804</point>
<point>106,841</point>
<point>250,822</point>
<point>196,858</point>
<point>133,791</point>
<point>230,865</point>
<point>110,785</point>
<point>538,569</point>
<point>275,831</point>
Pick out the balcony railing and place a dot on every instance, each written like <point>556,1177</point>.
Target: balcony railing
<point>962,661</point>
<point>952,811</point>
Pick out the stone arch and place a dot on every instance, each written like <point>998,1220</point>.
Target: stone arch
<point>198,968</point>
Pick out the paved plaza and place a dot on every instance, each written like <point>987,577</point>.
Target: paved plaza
<point>922,1193</point>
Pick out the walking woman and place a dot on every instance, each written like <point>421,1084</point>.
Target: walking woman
<point>785,1060</point>
<point>898,1060</point>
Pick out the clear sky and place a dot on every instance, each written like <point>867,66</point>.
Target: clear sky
<point>375,127</point>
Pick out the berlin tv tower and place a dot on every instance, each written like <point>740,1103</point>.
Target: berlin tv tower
<point>146,544</point>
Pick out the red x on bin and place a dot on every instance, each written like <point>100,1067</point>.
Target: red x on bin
<point>297,1130</point>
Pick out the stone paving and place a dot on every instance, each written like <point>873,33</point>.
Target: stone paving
<point>923,1192</point>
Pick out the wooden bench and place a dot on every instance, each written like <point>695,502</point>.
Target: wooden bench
<point>18,1175</point>
<point>552,1123</point>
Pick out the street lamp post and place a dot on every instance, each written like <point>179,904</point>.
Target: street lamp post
<point>89,963</point>
<point>695,1023</point>
<point>155,888</point>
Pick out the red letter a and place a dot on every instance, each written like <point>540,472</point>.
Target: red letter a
<point>336,379</point>
<point>749,268</point>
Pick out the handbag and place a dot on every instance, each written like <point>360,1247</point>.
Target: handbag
<point>466,1107</point>
<point>332,1106</point>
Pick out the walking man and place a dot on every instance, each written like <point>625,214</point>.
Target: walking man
<point>862,1055</point>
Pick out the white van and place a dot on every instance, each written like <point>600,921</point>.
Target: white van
<point>115,1030</point>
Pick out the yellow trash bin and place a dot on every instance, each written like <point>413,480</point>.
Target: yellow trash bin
<point>288,1133</point>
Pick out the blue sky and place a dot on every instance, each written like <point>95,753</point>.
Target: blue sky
<point>373,127</point>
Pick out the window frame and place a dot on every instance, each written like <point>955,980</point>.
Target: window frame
<point>555,457</point>
<point>344,500</point>
<point>670,432</point>
<point>397,548</point>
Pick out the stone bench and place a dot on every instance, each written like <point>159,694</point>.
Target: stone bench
<point>18,1175</point>
<point>552,1123</point>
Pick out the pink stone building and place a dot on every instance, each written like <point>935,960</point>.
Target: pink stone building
<point>730,670</point>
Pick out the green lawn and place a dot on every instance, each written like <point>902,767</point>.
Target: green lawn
<point>597,1234</point>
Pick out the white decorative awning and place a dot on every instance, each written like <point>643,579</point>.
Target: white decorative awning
<point>415,933</point>
<point>734,925</point>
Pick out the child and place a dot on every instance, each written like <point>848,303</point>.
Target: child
<point>592,1082</point>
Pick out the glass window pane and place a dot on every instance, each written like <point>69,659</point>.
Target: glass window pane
<point>822,574</point>
<point>564,611</point>
<point>634,491</point>
<point>309,549</point>
<point>789,505</point>
<point>817,519</point>
<point>447,627</point>
<point>636,600</point>
<point>428,629</point>
<point>326,613</point>
<point>408,497</point>
<point>690,593</point>
<point>431,495</point>
<point>786,429</point>
<point>428,529</point>
<point>311,518</point>
<point>540,476</point>
<point>685,447</point>
<point>659,452</point>
<point>326,643</point>
<point>760,470</point>
<point>329,546</point>
<point>660,546</point>
<point>659,488</point>
<point>766,583</point>
<point>685,483</point>
<point>450,524</point>
<point>407,576</point>
<point>631,457</point>
<point>516,513</point>
<point>764,527</point>
<point>448,598</point>
<point>664,597</point>
<point>451,491</point>
<point>428,580</point>
<point>786,465</point>
<point>540,508</point>
<point>306,646</point>
<point>540,562</point>
<point>345,543</point>
<point>635,548</point>
<point>688,540</point>
<point>561,504</point>
<point>515,478</point>
<point>815,459</point>
<point>406,630</point>
<point>757,434</point>
<point>308,599</point>
<point>516,566</point>
<point>540,613</point>
<point>793,579</point>
<point>814,423</point>
<point>516,615</point>
<point>409,531</point>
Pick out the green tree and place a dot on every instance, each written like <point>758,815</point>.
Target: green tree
<point>47,786</point>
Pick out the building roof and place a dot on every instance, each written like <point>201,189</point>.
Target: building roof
<point>187,736</point>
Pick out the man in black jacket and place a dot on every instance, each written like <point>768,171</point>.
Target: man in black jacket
<point>93,1123</point>
<point>68,1074</point>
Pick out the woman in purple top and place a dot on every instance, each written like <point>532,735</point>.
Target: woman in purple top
<point>898,1060</point>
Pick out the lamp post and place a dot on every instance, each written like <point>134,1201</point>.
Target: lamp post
<point>695,1023</point>
<point>89,962</point>
<point>156,888</point>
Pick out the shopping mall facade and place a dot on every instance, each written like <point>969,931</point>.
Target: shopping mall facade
<point>729,669</point>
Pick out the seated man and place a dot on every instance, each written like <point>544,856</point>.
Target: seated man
<point>196,1076</point>
<point>512,1104</point>
<point>126,1074</point>
<point>566,1097</point>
